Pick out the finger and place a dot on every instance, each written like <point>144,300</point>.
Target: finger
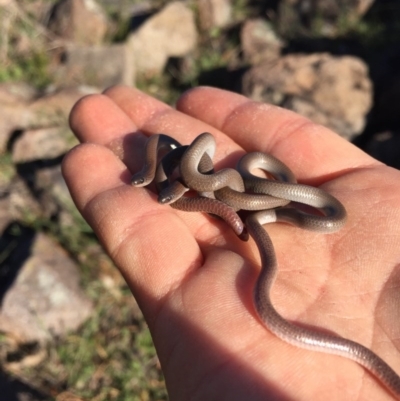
<point>311,150</point>
<point>97,119</point>
<point>153,116</point>
<point>154,251</point>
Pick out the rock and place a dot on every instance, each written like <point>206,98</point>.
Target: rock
<point>22,204</point>
<point>51,180</point>
<point>42,143</point>
<point>14,93</point>
<point>54,108</point>
<point>44,299</point>
<point>7,3</point>
<point>80,21</point>
<point>53,196</point>
<point>18,203</point>
<point>214,13</point>
<point>14,99</point>
<point>37,193</point>
<point>333,91</point>
<point>259,41</point>
<point>325,17</point>
<point>169,33</point>
<point>99,66</point>
<point>47,111</point>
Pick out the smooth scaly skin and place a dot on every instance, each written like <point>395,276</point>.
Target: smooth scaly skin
<point>299,336</point>
<point>285,187</point>
<point>194,179</point>
<point>334,216</point>
<point>172,193</point>
<point>215,207</point>
<point>228,187</point>
<point>154,146</point>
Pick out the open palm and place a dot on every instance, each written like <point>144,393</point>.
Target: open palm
<point>192,277</point>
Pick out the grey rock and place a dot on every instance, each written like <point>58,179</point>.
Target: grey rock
<point>18,203</point>
<point>42,143</point>
<point>305,16</point>
<point>23,205</point>
<point>7,3</point>
<point>39,194</point>
<point>51,180</point>
<point>14,100</point>
<point>214,13</point>
<point>46,111</point>
<point>99,66</point>
<point>54,197</point>
<point>333,91</point>
<point>45,299</point>
<point>80,21</point>
<point>259,41</point>
<point>17,92</point>
<point>54,108</point>
<point>37,197</point>
<point>169,33</point>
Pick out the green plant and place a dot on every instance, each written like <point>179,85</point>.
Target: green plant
<point>113,357</point>
<point>23,46</point>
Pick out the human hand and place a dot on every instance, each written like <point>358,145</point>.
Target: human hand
<point>192,277</point>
